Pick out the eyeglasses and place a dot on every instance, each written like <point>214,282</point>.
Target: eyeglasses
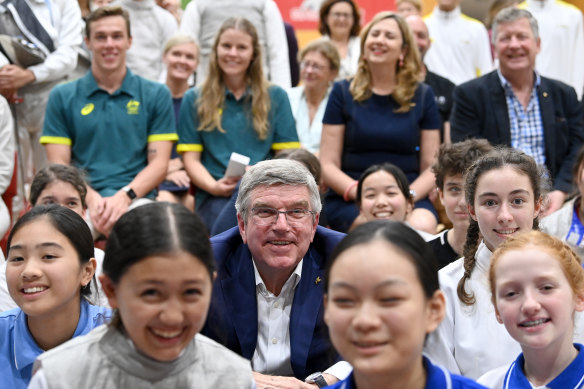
<point>341,15</point>
<point>266,216</point>
<point>316,67</point>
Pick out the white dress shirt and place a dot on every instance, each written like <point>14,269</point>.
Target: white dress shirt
<point>272,353</point>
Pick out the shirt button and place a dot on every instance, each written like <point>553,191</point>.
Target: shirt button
<point>275,340</point>
<point>276,305</point>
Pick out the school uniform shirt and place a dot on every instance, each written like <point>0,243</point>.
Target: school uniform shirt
<point>18,349</point>
<point>513,376</point>
<point>437,378</point>
<point>460,46</point>
<point>470,341</point>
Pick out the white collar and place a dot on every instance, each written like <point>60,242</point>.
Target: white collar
<point>447,15</point>
<point>483,258</point>
<point>539,5</point>
<point>296,274</point>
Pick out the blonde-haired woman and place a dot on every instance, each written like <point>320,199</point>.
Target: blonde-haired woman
<point>235,110</point>
<point>384,114</point>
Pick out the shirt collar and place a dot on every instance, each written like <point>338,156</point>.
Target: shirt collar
<point>447,15</point>
<point>538,5</point>
<point>507,85</point>
<point>128,84</point>
<point>230,95</point>
<point>26,349</point>
<point>571,377</point>
<point>483,257</point>
<point>295,276</point>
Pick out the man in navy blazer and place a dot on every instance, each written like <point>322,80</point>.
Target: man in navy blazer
<point>267,300</point>
<point>515,106</point>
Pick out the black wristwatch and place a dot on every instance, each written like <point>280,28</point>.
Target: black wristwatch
<point>130,192</point>
<point>316,378</point>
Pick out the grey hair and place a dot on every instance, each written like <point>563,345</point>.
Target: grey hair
<point>276,172</point>
<point>511,14</point>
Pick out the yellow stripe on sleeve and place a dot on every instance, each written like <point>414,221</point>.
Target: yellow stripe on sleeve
<point>59,140</point>
<point>192,147</point>
<point>285,145</point>
<point>162,137</point>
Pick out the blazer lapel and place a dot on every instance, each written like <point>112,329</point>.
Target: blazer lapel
<point>308,302</point>
<point>500,110</point>
<point>240,301</point>
<point>548,118</point>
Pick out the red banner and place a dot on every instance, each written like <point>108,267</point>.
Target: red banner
<point>303,14</point>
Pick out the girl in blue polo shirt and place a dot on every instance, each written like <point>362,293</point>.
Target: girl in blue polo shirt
<point>382,300</point>
<point>537,285</point>
<point>50,268</point>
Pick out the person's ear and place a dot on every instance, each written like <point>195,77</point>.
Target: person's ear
<point>498,315</point>
<point>579,302</point>
<point>109,288</point>
<point>435,311</point>
<point>88,271</point>
<point>538,207</point>
<point>471,212</point>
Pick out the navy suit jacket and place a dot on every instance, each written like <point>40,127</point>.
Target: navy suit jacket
<point>233,317</point>
<point>480,111</point>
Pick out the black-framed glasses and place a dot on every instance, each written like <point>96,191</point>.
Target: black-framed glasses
<point>266,216</point>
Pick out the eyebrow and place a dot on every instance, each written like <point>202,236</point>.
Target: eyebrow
<point>302,203</point>
<point>515,192</point>
<point>385,186</point>
<point>44,244</point>
<point>391,282</point>
<point>159,282</point>
<point>55,198</point>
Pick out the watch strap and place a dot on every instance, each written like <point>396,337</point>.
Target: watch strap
<point>130,192</point>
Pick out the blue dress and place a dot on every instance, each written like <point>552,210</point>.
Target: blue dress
<point>437,377</point>
<point>374,134</point>
<point>571,378</point>
<point>18,349</point>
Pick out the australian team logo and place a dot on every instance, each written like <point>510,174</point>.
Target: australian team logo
<point>133,107</point>
<point>87,109</point>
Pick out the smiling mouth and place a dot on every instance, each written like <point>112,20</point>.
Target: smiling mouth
<point>383,214</point>
<point>33,290</point>
<point>509,231</point>
<point>280,242</point>
<point>166,334</point>
<point>534,323</point>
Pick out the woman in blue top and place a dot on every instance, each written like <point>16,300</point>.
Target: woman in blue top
<point>384,114</point>
<point>235,110</point>
<point>537,287</point>
<point>49,274</point>
<point>380,314</point>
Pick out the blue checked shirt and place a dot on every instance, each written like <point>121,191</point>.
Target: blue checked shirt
<point>526,124</point>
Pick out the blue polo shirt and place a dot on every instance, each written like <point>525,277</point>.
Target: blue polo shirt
<point>436,378</point>
<point>109,133</point>
<point>571,378</point>
<point>18,349</point>
<point>239,136</point>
